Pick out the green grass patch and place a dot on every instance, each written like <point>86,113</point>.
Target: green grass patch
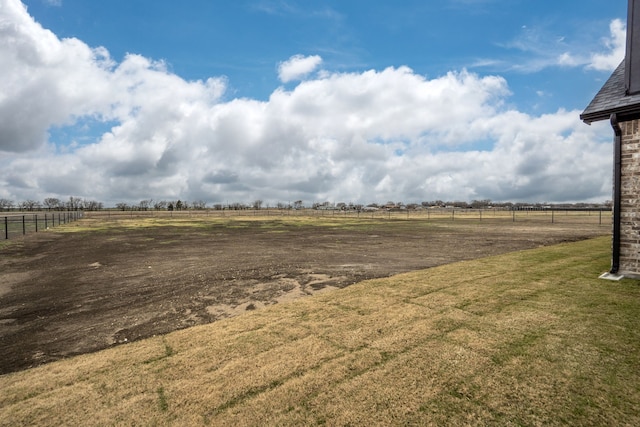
<point>162,400</point>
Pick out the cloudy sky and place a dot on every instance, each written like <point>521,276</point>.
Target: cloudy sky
<point>281,100</point>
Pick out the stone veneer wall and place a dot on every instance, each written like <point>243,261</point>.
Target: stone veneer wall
<point>630,200</point>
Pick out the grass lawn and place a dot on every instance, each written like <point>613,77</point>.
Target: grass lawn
<point>527,338</point>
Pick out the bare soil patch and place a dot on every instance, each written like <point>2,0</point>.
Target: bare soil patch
<point>64,294</point>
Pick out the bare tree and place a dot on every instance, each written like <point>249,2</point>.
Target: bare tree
<point>91,205</point>
<point>74,203</point>
<point>144,204</point>
<point>122,206</point>
<point>480,204</point>
<point>257,204</point>
<point>199,205</point>
<point>6,204</point>
<point>29,205</point>
<point>160,205</point>
<point>52,203</point>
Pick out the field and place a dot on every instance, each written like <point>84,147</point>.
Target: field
<point>104,281</point>
<point>513,327</point>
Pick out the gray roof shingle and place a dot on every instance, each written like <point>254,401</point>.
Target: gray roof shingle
<point>612,98</point>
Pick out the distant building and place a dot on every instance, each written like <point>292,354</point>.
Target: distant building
<point>619,102</point>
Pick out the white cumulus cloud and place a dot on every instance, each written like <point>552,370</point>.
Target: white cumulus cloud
<point>298,66</point>
<point>614,48</point>
<point>366,136</point>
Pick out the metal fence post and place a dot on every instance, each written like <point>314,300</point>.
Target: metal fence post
<point>6,227</point>
<point>24,229</point>
<point>35,216</point>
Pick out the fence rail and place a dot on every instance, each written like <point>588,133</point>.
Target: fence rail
<point>14,225</point>
<point>566,216</point>
<point>21,224</point>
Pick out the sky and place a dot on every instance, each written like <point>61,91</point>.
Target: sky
<point>348,101</point>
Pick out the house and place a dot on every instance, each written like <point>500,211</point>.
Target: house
<point>619,102</point>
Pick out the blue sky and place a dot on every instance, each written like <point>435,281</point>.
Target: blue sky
<point>357,101</point>
<point>245,40</point>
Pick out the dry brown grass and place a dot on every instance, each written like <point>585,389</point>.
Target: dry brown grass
<point>528,338</point>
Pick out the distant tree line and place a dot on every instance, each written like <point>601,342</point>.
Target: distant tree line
<point>150,204</point>
<point>77,203</point>
<point>51,204</point>
<point>181,205</point>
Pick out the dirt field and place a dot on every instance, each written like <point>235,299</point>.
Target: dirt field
<point>66,293</point>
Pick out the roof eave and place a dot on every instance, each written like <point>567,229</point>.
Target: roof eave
<point>626,113</point>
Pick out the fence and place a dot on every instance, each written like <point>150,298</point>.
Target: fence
<point>551,216</point>
<point>578,216</point>
<point>19,225</point>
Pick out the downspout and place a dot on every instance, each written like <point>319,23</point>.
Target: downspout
<point>617,191</point>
